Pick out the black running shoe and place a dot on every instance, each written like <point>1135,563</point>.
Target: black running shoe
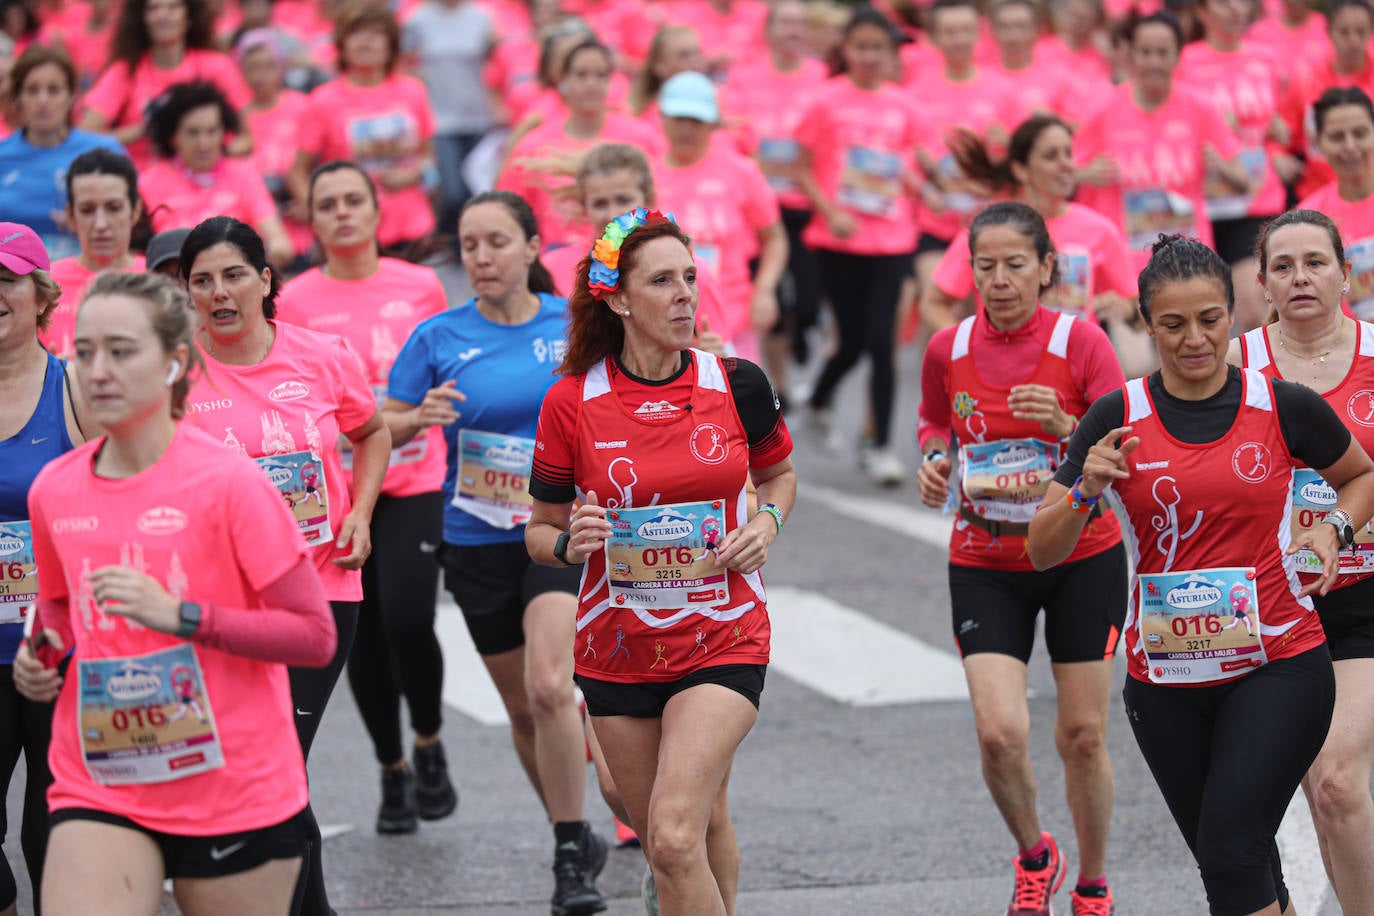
<point>574,891</point>
<point>397,814</point>
<point>593,855</point>
<point>435,795</point>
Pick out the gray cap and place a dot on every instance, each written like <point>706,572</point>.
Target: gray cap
<point>165,246</point>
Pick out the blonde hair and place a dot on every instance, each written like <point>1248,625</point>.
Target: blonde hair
<point>170,314</point>
<point>49,294</point>
<point>647,83</point>
<point>608,158</point>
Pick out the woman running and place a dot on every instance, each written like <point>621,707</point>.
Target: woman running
<point>1009,384</point>
<point>481,372</point>
<point>686,430</point>
<point>282,395</point>
<point>157,551</point>
<point>375,303</point>
<point>1202,457</point>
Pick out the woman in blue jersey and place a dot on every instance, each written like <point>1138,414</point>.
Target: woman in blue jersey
<point>39,420</point>
<point>481,371</point>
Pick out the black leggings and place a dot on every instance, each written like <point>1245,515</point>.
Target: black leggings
<point>310,690</point>
<point>397,652</point>
<point>25,726</point>
<point>864,291</point>
<point>1228,759</point>
<point>800,290</point>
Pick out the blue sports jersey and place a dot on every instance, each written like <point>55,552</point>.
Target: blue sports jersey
<point>504,370</point>
<point>33,184</point>
<point>22,456</point>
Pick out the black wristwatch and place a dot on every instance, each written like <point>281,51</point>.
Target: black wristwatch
<point>1342,522</point>
<point>190,620</point>
<point>560,548</point>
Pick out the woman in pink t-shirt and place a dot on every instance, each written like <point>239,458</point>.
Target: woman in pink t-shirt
<point>196,180</point>
<point>157,44</point>
<point>172,570</point>
<point>283,395</point>
<point>375,303</point>
<point>103,206</point>
<point>856,163</point>
<point>674,49</point>
<point>1345,132</point>
<point>377,117</point>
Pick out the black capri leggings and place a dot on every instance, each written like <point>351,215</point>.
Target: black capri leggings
<point>1228,759</point>
<point>800,290</point>
<point>397,652</point>
<point>25,726</point>
<point>864,290</point>
<point>310,690</point>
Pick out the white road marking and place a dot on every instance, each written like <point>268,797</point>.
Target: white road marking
<point>915,521</point>
<point>330,831</point>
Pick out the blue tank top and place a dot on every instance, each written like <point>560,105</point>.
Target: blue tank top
<point>22,456</point>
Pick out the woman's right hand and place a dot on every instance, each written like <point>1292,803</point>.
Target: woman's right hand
<point>36,681</point>
<point>1102,172</point>
<point>933,480</point>
<point>841,224</point>
<point>590,529</point>
<point>437,407</point>
<point>1107,462</point>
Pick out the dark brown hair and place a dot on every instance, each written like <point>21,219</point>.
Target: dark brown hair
<point>36,56</point>
<point>594,331</point>
<point>363,15</point>
<point>130,41</point>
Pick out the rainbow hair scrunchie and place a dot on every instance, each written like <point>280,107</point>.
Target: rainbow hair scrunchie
<point>604,275</point>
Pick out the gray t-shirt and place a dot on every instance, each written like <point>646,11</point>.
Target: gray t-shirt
<point>451,45</point>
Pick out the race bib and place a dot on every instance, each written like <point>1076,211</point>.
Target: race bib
<point>1222,200</point>
<point>381,141</point>
<point>494,477</point>
<point>708,255</point>
<point>664,556</point>
<point>1313,497</point>
<point>776,157</point>
<point>870,182</point>
<point>1361,257</point>
<point>1071,295</point>
<point>1200,626</point>
<point>1007,479</point>
<point>299,477</point>
<point>18,572</point>
<point>147,718</point>
<point>1151,211</point>
<point>412,452</point>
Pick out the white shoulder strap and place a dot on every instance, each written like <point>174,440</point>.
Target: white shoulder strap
<point>1257,394</point>
<point>961,339</point>
<point>710,374</point>
<point>1059,337</point>
<point>1253,350</point>
<point>1137,401</point>
<point>597,382</point>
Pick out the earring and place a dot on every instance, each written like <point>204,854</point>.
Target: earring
<point>1346,289</point>
<point>626,313</point>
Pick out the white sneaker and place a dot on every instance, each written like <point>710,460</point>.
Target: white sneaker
<point>648,892</point>
<point>884,468</point>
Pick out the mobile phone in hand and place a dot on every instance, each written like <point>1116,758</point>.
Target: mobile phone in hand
<point>38,644</point>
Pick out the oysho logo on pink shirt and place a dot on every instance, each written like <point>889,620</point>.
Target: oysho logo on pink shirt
<point>289,391</point>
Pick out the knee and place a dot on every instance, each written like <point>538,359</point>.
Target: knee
<point>549,693</point>
<point>1080,741</point>
<point>676,845</point>
<point>1001,743</point>
<point>1337,792</point>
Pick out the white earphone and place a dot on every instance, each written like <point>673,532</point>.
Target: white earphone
<point>172,373</point>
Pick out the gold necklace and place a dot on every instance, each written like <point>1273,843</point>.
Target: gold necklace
<point>1319,358</point>
<point>271,337</point>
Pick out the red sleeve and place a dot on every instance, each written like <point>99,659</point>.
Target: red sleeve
<point>934,418</point>
<point>357,402</point>
<point>56,615</point>
<point>551,479</point>
<point>1095,366</point>
<point>295,627</point>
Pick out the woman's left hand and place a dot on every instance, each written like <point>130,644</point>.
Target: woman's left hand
<point>745,549</point>
<point>355,536</point>
<point>124,592</point>
<point>1040,404</point>
<point>1322,541</point>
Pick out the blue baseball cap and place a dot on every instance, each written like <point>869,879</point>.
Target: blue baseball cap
<point>690,95</point>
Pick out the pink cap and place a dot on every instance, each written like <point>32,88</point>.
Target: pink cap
<point>21,250</point>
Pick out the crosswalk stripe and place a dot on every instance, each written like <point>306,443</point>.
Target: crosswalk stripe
<point>920,523</point>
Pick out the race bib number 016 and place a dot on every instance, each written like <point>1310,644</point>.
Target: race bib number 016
<point>147,718</point>
<point>1006,479</point>
<point>664,556</point>
<point>494,477</point>
<point>18,572</point>
<point>1200,626</point>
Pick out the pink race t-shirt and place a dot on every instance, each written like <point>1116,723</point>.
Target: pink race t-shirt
<point>289,410</point>
<point>74,279</point>
<point>1047,86</point>
<point>276,141</point>
<point>734,33</point>
<point>1159,155</point>
<point>376,316</point>
<point>1307,45</point>
<point>862,145</point>
<point>122,97</point>
<point>179,199</point>
<point>987,105</point>
<point>1086,64</point>
<point>1244,86</point>
<point>210,528</point>
<point>379,127</point>
<point>1355,219</point>
<point>560,218</point>
<point>88,48</point>
<point>768,104</point>
<point>722,201</point>
<point>1090,252</point>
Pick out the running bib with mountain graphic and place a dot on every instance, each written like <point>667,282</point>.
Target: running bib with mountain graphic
<point>494,477</point>
<point>664,556</point>
<point>299,477</point>
<point>1007,479</point>
<point>18,571</point>
<point>1201,625</point>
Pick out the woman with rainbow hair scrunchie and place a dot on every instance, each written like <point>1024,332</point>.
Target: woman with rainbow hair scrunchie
<point>659,440</point>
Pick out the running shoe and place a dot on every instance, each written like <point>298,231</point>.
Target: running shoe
<point>883,467</point>
<point>594,852</point>
<point>1034,893</point>
<point>1093,904</point>
<point>648,892</point>
<point>435,796</point>
<point>397,813</point>
<point>575,868</point>
<point>624,834</point>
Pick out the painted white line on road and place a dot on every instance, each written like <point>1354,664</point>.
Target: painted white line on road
<point>913,521</point>
<point>1303,871</point>
<point>852,658</point>
<point>467,686</point>
<point>330,831</point>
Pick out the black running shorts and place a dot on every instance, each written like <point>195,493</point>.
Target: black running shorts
<point>493,583</point>
<point>1347,616</point>
<point>647,700</point>
<point>1084,603</point>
